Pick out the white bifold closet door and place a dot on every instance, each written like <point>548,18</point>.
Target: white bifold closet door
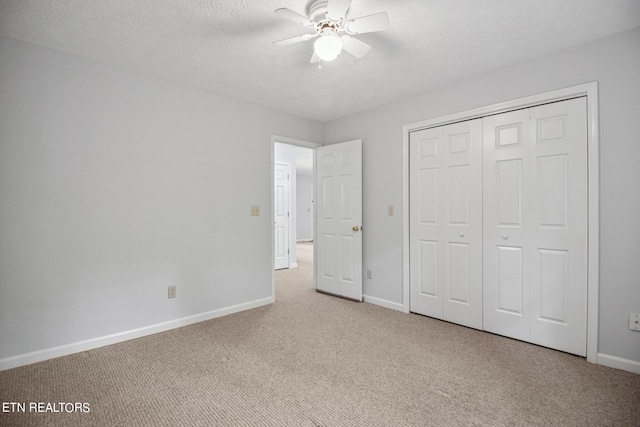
<point>535,225</point>
<point>498,224</point>
<point>446,222</point>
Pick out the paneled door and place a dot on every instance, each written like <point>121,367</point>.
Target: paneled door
<point>507,211</point>
<point>535,225</point>
<point>446,222</point>
<point>281,215</point>
<point>339,219</point>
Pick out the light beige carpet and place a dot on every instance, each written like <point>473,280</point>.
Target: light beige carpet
<point>316,360</point>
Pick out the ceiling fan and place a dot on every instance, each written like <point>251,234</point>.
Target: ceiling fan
<point>328,18</point>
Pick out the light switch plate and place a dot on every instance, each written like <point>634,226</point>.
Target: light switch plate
<point>255,210</point>
<point>390,210</point>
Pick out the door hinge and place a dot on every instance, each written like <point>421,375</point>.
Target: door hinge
<point>288,214</point>
<point>288,251</point>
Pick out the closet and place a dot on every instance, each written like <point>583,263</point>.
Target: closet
<point>498,224</point>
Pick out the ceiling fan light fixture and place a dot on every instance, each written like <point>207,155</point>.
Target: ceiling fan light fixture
<point>328,46</point>
<point>328,18</point>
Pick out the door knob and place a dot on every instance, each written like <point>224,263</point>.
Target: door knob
<point>356,228</point>
<point>461,234</point>
<point>505,236</point>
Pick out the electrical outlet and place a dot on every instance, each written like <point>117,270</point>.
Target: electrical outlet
<point>634,321</point>
<point>369,276</point>
<point>390,210</point>
<point>172,292</point>
<point>255,210</point>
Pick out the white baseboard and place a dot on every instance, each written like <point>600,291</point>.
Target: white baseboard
<point>383,303</point>
<point>619,363</point>
<point>64,350</point>
<point>294,265</point>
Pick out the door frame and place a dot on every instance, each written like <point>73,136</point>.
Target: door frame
<point>590,90</point>
<point>298,143</point>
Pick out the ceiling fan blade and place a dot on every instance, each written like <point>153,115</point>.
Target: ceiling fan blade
<point>337,9</point>
<point>369,24</point>
<point>292,40</point>
<point>295,17</point>
<point>314,58</point>
<point>354,46</point>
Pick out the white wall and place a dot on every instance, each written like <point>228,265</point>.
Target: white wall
<point>304,207</point>
<point>615,63</point>
<point>115,185</point>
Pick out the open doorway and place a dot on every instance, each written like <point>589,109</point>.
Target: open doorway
<point>293,214</point>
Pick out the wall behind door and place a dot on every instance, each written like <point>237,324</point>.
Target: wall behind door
<point>304,207</point>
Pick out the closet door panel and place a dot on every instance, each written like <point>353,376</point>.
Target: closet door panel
<point>425,212</point>
<point>559,227</point>
<point>446,222</point>
<point>506,211</point>
<point>462,193</point>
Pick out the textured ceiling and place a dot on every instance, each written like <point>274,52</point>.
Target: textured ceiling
<point>226,45</point>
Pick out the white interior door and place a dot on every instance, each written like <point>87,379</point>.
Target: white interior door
<point>281,215</point>
<point>446,222</point>
<point>338,250</point>
<point>535,233</point>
